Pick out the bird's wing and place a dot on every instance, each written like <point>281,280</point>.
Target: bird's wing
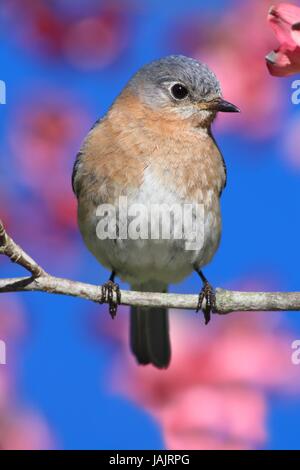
<point>223,162</point>
<point>79,158</point>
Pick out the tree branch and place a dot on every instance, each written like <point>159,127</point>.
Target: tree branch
<point>9,248</point>
<point>226,300</point>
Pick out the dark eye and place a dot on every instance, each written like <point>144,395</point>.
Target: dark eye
<point>179,92</point>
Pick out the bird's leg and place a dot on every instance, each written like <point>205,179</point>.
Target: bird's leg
<point>207,293</point>
<point>111,294</point>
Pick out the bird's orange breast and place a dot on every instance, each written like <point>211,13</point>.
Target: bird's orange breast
<point>133,137</point>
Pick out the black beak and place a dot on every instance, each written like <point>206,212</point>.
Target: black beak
<point>226,107</point>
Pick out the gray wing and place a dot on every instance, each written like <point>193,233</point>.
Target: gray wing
<point>223,161</point>
<point>79,157</point>
<point>75,169</point>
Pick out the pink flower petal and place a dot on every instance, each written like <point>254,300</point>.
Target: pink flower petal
<point>281,19</point>
<point>283,62</point>
<point>288,12</point>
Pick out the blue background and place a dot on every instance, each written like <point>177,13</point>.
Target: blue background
<point>61,371</point>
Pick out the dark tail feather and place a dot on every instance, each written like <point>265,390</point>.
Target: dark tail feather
<point>149,336</point>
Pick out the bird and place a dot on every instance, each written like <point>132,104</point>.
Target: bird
<point>154,148</point>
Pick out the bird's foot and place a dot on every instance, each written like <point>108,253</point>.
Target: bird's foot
<point>208,294</point>
<point>111,294</point>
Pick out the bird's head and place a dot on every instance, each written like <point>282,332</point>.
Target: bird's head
<point>181,87</point>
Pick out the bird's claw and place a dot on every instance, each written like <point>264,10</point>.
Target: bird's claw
<point>207,293</point>
<point>111,294</point>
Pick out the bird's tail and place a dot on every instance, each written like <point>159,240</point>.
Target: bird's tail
<point>149,330</point>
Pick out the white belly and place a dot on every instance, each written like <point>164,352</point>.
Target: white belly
<point>146,259</point>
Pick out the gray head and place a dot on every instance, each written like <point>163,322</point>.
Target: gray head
<point>181,85</point>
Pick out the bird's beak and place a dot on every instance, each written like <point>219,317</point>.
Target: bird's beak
<point>221,105</point>
<point>227,107</point>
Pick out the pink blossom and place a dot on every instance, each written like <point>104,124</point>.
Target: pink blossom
<point>21,430</point>
<point>92,39</point>
<point>46,128</point>
<point>284,19</point>
<point>208,417</point>
<point>214,394</point>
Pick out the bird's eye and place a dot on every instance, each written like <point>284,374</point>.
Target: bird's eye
<point>179,92</point>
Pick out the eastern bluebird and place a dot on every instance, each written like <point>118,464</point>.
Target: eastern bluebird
<point>154,147</point>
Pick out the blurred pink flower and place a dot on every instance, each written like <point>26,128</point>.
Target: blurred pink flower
<point>23,430</point>
<point>12,329</point>
<point>233,45</point>
<point>44,139</point>
<point>284,19</point>
<point>19,429</point>
<point>96,41</point>
<point>89,37</point>
<point>214,394</point>
<point>210,418</point>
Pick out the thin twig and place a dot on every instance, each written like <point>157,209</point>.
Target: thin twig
<point>17,255</point>
<point>226,300</point>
